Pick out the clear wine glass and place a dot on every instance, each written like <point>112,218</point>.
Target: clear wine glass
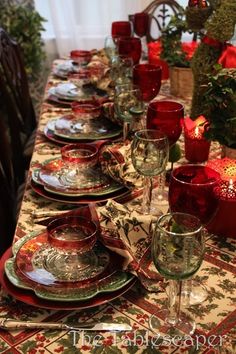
<point>194,189</point>
<point>127,102</point>
<point>149,153</point>
<point>121,69</point>
<point>177,253</point>
<point>111,46</point>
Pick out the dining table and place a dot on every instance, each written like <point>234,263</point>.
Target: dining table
<point>133,303</point>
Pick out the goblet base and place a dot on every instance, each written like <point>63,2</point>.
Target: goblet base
<point>162,324</point>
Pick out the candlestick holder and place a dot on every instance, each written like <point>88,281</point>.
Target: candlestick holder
<point>196,146</point>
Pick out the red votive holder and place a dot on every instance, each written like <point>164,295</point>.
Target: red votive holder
<point>196,146</point>
<point>224,222</point>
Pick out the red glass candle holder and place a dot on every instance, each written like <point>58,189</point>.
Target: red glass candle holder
<point>196,146</point>
<point>224,222</point>
<point>121,28</point>
<point>130,47</point>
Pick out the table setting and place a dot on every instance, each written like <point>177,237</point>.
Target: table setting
<point>105,243</point>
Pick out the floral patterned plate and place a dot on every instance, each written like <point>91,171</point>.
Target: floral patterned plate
<point>52,175</point>
<point>30,298</point>
<point>72,128</point>
<point>85,199</point>
<point>31,275</point>
<point>65,93</point>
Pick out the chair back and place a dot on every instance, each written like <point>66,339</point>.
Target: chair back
<point>7,190</point>
<point>160,12</point>
<point>15,100</point>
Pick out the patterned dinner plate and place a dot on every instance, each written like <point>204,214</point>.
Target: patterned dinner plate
<point>25,271</point>
<point>29,297</point>
<point>53,176</point>
<point>62,70</point>
<point>65,93</point>
<point>70,127</point>
<point>85,199</point>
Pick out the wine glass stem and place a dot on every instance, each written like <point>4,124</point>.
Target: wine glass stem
<point>174,301</point>
<point>147,194</point>
<point>161,183</point>
<point>126,129</point>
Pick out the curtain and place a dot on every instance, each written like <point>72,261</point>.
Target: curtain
<point>84,23</point>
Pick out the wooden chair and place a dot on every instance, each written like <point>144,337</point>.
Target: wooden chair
<point>8,195</point>
<point>160,12</point>
<point>15,101</point>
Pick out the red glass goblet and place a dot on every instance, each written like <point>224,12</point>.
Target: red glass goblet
<point>148,78</point>
<point>167,116</point>
<point>141,23</point>
<point>121,28</point>
<point>130,47</point>
<point>194,190</point>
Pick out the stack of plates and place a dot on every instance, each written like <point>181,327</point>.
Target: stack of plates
<point>30,278</point>
<point>50,182</point>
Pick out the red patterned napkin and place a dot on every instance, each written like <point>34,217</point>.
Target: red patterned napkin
<point>129,234</point>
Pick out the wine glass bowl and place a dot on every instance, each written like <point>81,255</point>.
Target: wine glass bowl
<point>80,79</point>
<point>148,78</point>
<point>149,154</point>
<point>87,110</point>
<point>167,116</point>
<point>194,189</point>
<point>131,47</point>
<point>81,57</point>
<point>78,160</point>
<point>177,253</point>
<point>69,254</point>
<point>121,28</point>
<point>141,23</point>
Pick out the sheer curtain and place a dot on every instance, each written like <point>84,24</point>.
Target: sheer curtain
<point>83,23</point>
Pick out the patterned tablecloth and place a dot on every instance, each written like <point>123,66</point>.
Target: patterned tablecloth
<point>215,317</point>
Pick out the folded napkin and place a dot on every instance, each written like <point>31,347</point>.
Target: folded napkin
<point>116,161</point>
<point>129,234</point>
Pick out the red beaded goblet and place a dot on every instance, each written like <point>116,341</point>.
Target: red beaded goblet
<point>130,47</point>
<point>167,116</point>
<point>141,22</point>
<point>148,78</point>
<point>121,28</point>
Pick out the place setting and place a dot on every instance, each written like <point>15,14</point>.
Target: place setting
<point>88,121</point>
<point>65,266</point>
<point>76,177</point>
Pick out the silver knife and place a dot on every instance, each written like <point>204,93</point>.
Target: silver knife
<point>6,323</point>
